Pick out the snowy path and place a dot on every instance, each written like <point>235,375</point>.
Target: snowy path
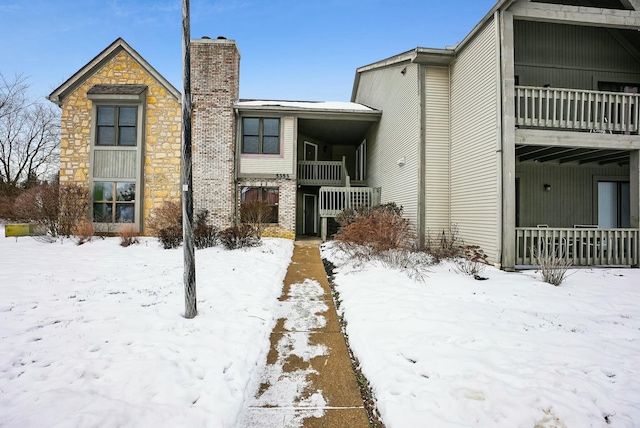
<point>307,379</point>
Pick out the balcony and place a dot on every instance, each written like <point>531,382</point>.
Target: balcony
<point>322,173</point>
<point>335,199</point>
<point>577,110</point>
<point>583,246</point>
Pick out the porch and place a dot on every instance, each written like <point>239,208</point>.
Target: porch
<point>581,245</point>
<point>334,200</point>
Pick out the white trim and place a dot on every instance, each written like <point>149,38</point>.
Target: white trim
<point>304,151</point>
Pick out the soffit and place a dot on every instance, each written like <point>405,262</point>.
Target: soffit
<point>563,155</point>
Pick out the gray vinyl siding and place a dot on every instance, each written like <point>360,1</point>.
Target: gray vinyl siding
<point>396,136</point>
<point>570,56</point>
<point>437,149</point>
<point>475,182</point>
<point>115,164</point>
<point>573,195</point>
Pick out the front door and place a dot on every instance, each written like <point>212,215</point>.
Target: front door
<point>310,214</point>
<point>310,151</point>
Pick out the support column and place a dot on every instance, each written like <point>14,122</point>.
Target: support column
<point>634,188</point>
<point>508,148</point>
<point>323,228</point>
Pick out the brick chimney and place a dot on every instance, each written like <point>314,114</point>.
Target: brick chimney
<point>215,77</point>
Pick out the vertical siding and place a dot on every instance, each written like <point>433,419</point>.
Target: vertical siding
<point>572,196</point>
<point>115,164</point>
<point>475,180</point>
<point>396,136</point>
<point>570,56</point>
<point>437,149</point>
<point>274,165</point>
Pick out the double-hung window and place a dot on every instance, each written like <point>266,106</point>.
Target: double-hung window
<point>261,135</point>
<point>116,126</point>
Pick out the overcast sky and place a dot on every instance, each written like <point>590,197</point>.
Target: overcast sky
<point>290,49</point>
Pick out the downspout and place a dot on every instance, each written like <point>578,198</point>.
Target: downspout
<point>236,166</point>
<point>500,131</point>
<point>422,76</point>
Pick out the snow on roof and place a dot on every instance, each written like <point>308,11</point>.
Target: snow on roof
<point>310,105</point>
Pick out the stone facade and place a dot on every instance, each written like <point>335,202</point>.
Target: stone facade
<point>162,133</point>
<point>215,74</point>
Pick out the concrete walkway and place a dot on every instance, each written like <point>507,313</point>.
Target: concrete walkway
<point>308,380</point>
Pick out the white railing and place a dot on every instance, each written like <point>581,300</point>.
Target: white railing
<point>335,199</point>
<point>321,173</point>
<point>582,246</point>
<point>577,109</point>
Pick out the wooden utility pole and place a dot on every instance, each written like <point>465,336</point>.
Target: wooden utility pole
<point>191,308</point>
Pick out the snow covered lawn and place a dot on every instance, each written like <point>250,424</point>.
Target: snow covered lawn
<point>510,351</point>
<point>93,335</point>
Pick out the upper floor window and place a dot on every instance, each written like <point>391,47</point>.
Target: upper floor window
<point>261,135</point>
<point>116,126</point>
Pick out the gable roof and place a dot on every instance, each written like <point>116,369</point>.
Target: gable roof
<point>119,45</point>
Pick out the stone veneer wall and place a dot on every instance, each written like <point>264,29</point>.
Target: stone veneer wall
<point>215,74</point>
<point>286,227</point>
<point>162,145</point>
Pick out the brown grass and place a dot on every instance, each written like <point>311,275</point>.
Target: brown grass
<point>128,235</point>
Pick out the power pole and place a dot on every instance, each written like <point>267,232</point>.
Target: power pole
<point>191,309</point>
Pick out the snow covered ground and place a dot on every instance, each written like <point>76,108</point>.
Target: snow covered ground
<point>510,351</point>
<point>93,335</point>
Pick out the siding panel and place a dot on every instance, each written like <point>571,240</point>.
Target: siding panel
<point>570,56</point>
<point>437,149</point>
<point>572,197</point>
<point>114,164</point>
<point>396,136</point>
<point>475,177</point>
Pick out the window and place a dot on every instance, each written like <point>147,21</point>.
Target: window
<point>114,202</point>
<point>266,197</point>
<point>261,136</point>
<point>116,126</point>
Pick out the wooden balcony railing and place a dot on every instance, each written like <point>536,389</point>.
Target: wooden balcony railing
<point>322,173</point>
<point>335,199</point>
<point>574,109</point>
<point>582,246</point>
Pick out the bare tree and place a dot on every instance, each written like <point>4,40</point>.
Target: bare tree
<point>29,136</point>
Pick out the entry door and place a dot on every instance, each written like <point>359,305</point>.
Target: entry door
<point>310,213</point>
<point>310,151</point>
<point>614,206</point>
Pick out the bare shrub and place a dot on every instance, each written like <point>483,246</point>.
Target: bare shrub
<point>553,264</point>
<point>74,207</point>
<point>40,205</point>
<point>472,260</point>
<point>346,216</point>
<point>380,228</point>
<point>128,235</point>
<point>444,245</point>
<point>413,263</point>
<point>257,214</point>
<point>165,222</point>
<point>240,236</point>
<point>205,235</point>
<point>83,232</point>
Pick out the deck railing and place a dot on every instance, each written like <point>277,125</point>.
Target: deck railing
<point>582,246</point>
<point>335,199</point>
<point>322,173</point>
<point>573,109</point>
